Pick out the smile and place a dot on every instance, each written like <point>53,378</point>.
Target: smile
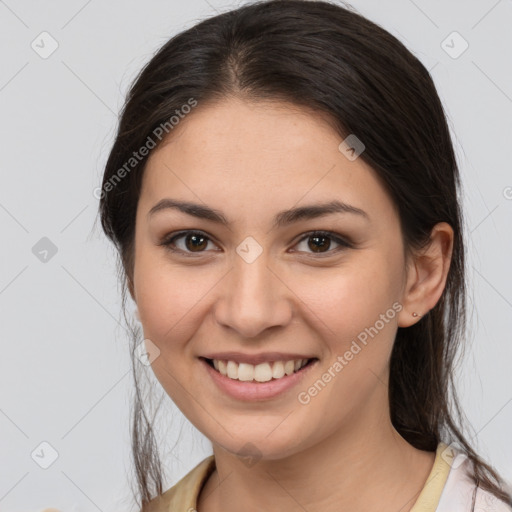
<point>251,389</point>
<point>262,372</point>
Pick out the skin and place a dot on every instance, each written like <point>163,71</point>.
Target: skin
<point>250,161</point>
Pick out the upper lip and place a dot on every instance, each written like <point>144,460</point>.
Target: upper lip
<point>255,359</point>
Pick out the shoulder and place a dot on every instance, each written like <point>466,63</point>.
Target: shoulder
<point>487,502</point>
<point>459,491</point>
<point>183,495</point>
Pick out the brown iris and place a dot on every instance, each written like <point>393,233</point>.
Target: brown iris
<point>197,242</point>
<point>315,246</point>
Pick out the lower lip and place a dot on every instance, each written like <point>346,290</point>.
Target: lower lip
<point>254,391</point>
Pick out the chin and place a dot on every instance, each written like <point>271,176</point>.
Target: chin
<point>251,449</point>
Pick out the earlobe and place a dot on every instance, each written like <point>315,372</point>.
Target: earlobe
<point>429,273</point>
<point>131,289</point>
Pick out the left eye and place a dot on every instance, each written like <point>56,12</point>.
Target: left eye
<point>319,240</point>
<point>196,242</point>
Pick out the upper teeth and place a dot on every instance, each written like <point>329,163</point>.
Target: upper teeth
<point>261,372</point>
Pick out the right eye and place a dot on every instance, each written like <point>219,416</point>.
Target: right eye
<point>193,242</point>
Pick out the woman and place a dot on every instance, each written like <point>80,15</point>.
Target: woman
<point>284,197</point>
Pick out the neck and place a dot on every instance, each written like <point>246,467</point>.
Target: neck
<point>367,468</point>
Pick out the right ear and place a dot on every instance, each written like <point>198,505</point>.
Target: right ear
<point>131,289</point>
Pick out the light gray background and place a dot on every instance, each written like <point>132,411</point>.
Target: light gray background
<point>64,364</point>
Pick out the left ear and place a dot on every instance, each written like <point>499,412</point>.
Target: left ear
<point>426,275</point>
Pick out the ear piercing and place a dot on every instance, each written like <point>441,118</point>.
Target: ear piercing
<point>415,314</point>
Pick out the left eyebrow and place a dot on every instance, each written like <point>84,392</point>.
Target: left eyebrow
<point>281,219</point>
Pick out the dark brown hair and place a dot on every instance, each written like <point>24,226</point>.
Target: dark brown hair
<point>329,59</point>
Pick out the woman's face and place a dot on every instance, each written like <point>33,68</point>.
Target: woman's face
<point>255,286</point>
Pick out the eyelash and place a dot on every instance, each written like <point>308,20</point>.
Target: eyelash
<point>169,241</point>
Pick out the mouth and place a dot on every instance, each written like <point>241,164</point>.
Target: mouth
<point>261,373</point>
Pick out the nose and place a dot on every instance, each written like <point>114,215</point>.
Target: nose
<point>253,298</point>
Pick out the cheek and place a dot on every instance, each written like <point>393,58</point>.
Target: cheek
<point>164,306</point>
<point>354,316</point>
<point>169,298</point>
<point>351,297</point>
<point>353,311</point>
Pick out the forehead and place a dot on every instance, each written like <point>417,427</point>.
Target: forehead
<point>256,156</point>
<point>234,129</point>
